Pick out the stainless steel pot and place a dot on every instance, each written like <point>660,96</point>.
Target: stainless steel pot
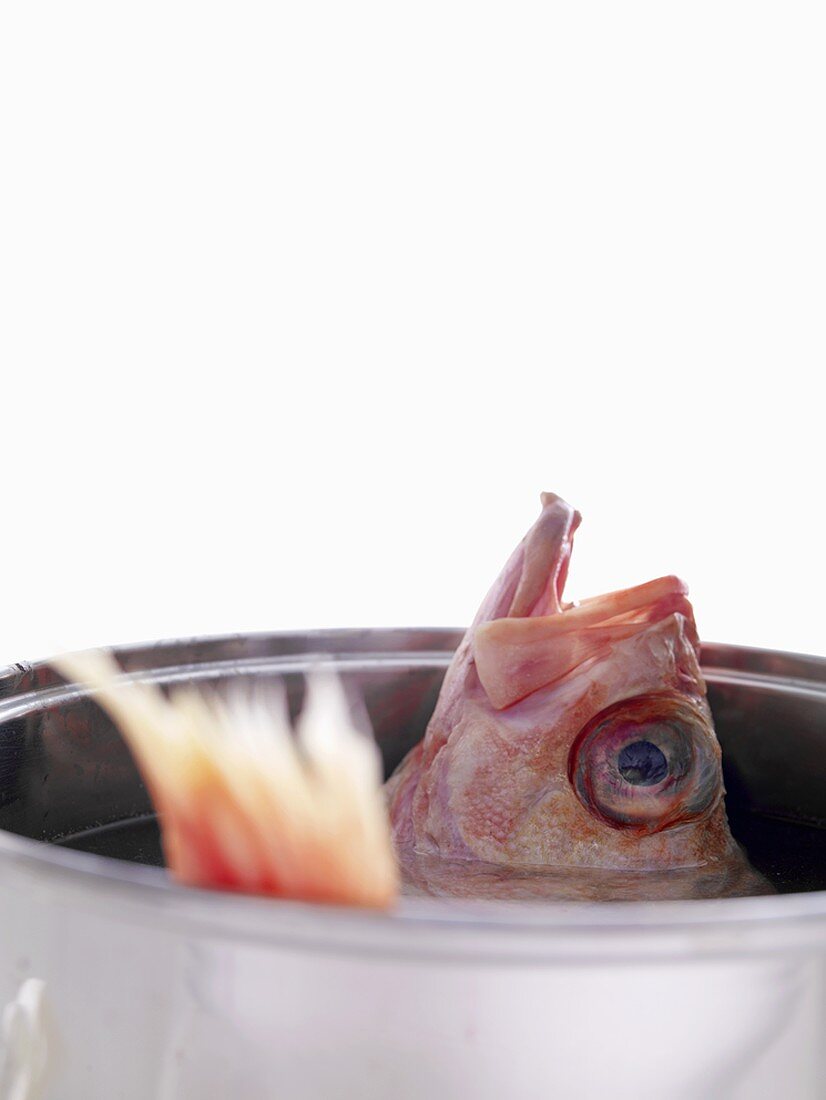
<point>151,990</point>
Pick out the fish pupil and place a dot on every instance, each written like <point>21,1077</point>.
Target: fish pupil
<point>642,764</point>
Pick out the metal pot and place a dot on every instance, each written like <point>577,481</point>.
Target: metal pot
<point>151,990</point>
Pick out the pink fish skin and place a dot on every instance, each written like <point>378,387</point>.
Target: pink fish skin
<point>568,736</point>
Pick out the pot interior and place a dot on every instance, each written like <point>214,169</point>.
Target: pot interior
<point>67,778</point>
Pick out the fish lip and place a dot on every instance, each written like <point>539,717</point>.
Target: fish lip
<point>515,656</point>
<point>565,564</point>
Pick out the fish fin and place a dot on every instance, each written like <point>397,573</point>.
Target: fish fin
<point>243,802</point>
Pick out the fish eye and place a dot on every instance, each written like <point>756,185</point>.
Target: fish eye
<point>647,763</point>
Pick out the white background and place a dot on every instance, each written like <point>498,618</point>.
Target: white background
<point>304,303</point>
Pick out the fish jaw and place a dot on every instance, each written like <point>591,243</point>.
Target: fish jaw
<point>520,764</point>
<point>533,579</point>
<point>531,584</point>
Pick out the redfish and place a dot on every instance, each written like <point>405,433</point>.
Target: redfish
<point>569,735</point>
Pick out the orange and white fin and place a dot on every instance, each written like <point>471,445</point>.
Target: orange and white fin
<point>244,802</point>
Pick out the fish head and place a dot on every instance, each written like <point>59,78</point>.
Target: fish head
<point>569,735</point>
